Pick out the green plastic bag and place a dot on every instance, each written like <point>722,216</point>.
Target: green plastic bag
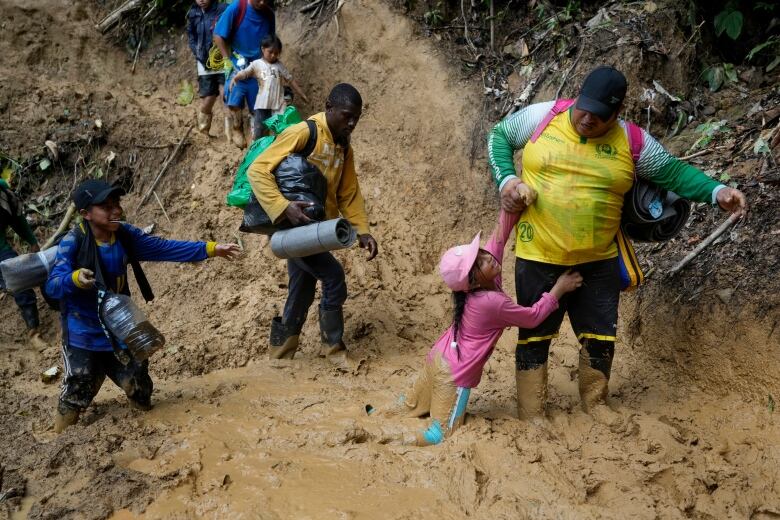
<point>239,195</point>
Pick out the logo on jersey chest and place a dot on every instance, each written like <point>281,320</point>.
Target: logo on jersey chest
<point>606,151</point>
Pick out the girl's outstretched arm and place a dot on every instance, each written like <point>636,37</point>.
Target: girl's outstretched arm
<point>497,241</point>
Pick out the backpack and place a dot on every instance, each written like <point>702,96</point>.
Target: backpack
<point>256,220</point>
<point>631,275</point>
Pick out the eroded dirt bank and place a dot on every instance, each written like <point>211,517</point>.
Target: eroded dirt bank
<point>236,436</point>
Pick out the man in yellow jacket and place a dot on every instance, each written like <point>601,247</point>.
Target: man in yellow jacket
<point>333,155</point>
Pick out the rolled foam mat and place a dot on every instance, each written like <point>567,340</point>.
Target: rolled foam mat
<point>27,271</point>
<point>313,239</point>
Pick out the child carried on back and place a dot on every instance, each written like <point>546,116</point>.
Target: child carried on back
<point>482,311</point>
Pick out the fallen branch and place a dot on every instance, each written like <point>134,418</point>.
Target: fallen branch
<point>704,243</point>
<point>565,76</point>
<point>162,207</point>
<point>137,50</point>
<point>165,166</point>
<point>113,18</point>
<point>310,6</point>
<point>700,152</point>
<point>62,227</point>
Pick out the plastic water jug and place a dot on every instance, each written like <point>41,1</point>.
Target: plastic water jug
<point>130,325</point>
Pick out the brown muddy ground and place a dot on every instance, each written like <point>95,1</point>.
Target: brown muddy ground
<point>234,435</point>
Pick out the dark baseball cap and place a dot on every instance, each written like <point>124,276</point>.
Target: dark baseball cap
<point>602,92</point>
<point>94,191</point>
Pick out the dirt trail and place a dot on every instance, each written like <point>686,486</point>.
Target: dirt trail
<point>234,435</point>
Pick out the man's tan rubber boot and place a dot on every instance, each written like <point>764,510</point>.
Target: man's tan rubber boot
<point>284,342</point>
<point>593,384</point>
<point>204,122</point>
<point>333,348</point>
<point>531,392</point>
<point>36,341</point>
<point>63,420</point>
<point>237,129</point>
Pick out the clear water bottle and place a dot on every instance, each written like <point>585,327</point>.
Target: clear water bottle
<point>27,271</point>
<point>130,325</point>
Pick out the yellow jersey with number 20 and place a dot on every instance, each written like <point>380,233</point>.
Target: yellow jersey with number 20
<point>580,184</point>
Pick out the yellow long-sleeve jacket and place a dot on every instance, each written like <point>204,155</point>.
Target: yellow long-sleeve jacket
<point>344,195</point>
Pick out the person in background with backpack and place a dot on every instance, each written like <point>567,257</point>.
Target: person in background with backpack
<point>577,155</point>
<point>327,135</point>
<point>237,35</point>
<point>201,19</point>
<point>103,245</point>
<point>12,214</point>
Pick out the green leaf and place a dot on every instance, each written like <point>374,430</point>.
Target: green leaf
<point>730,72</point>
<point>730,21</point>
<point>725,177</point>
<point>714,77</point>
<point>761,46</point>
<point>770,404</point>
<point>45,163</point>
<point>761,147</point>
<point>186,93</point>
<point>98,173</point>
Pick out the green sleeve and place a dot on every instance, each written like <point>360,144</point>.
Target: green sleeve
<point>658,166</point>
<point>686,181</point>
<point>501,155</point>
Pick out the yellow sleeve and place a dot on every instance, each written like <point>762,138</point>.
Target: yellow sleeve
<point>211,249</point>
<point>349,198</point>
<point>75,278</point>
<point>260,172</point>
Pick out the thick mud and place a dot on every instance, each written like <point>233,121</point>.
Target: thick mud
<point>234,435</point>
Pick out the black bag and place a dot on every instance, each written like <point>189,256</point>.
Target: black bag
<point>298,180</point>
<point>653,214</point>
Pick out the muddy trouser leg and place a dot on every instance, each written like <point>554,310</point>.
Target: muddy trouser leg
<point>133,379</point>
<point>325,268</point>
<point>84,375</point>
<point>593,311</point>
<point>416,401</point>
<point>532,279</point>
<point>25,300</point>
<point>448,404</point>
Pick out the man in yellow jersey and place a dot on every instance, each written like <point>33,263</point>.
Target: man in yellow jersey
<point>333,155</point>
<point>581,167</point>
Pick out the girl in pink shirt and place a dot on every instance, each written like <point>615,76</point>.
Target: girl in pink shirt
<point>482,311</point>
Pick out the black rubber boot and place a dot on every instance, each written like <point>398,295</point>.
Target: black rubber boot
<point>30,316</point>
<point>284,340</point>
<point>332,332</point>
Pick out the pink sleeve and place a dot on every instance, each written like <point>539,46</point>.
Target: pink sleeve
<point>497,241</point>
<point>510,314</point>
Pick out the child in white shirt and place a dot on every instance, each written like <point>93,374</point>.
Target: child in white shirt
<point>271,75</point>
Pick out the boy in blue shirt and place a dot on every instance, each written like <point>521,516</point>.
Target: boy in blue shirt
<point>237,35</point>
<point>88,355</point>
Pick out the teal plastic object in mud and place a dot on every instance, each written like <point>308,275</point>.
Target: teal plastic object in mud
<point>239,195</point>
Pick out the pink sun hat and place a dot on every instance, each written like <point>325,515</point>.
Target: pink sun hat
<point>456,264</point>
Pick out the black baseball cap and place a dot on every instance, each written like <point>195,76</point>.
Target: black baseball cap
<point>94,191</point>
<point>602,92</point>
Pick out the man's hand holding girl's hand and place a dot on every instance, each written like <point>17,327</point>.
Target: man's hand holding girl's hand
<point>516,196</point>
<point>566,283</point>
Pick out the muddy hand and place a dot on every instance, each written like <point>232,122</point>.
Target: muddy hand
<point>227,251</point>
<point>295,214</point>
<point>511,199</point>
<point>527,193</point>
<point>366,241</point>
<point>730,199</point>
<point>86,278</point>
